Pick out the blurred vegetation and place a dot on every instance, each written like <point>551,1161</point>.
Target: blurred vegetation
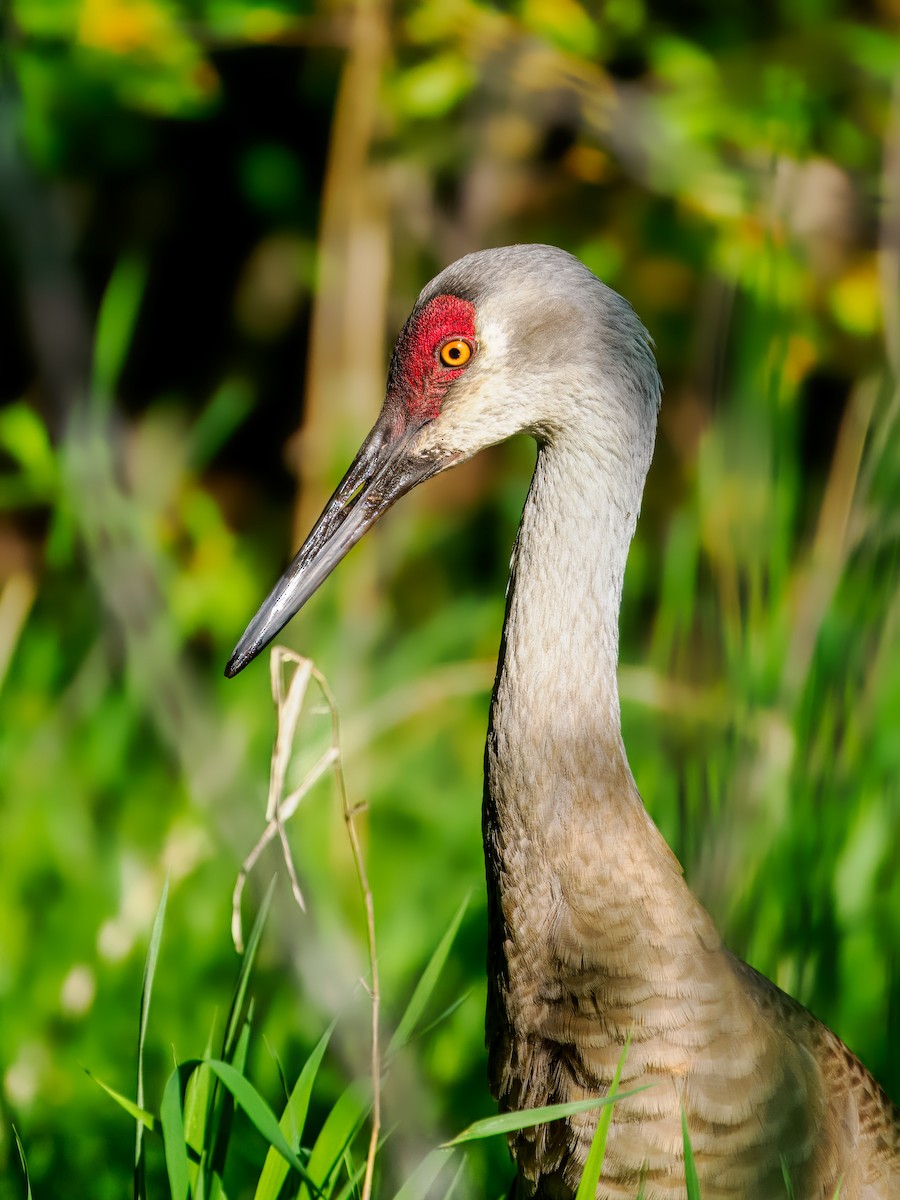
<point>214,215</point>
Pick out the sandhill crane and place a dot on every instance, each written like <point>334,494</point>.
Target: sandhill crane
<point>593,933</point>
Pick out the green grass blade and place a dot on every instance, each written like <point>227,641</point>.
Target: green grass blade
<point>171,1119</point>
<point>239,1058</point>
<point>198,1098</point>
<point>292,1121</point>
<point>139,1114</point>
<point>590,1176</point>
<point>23,1163</point>
<point>340,1127</point>
<point>786,1175</point>
<point>427,982</point>
<point>525,1118</point>
<point>691,1179</point>
<point>233,1024</point>
<point>140,1186</point>
<point>416,1187</point>
<point>350,1190</point>
<point>248,1098</point>
<point>115,326</point>
<point>235,1041</point>
<point>351,1187</point>
<point>223,1111</point>
<point>838,1189</point>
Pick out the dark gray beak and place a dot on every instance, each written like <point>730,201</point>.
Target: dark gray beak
<point>381,473</point>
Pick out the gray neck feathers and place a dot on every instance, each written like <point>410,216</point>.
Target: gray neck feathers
<point>556,702</point>
<point>562,812</point>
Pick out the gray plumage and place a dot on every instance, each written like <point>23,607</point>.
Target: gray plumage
<point>593,933</point>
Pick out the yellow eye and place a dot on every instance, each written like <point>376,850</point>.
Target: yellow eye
<point>455,353</point>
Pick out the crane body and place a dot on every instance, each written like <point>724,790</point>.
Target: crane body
<point>594,936</point>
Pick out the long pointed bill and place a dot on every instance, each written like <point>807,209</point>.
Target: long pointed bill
<point>381,473</point>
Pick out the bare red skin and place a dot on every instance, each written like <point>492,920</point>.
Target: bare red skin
<point>418,379</point>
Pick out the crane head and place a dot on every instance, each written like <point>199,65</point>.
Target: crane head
<point>503,341</point>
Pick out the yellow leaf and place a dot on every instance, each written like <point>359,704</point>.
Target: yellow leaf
<point>126,26</point>
<point>563,23</point>
<point>856,299</point>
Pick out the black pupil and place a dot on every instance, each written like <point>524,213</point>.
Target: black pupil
<point>453,352</point>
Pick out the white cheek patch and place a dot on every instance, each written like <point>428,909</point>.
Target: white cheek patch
<point>493,337</point>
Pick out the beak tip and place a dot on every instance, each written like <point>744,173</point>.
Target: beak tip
<point>237,662</point>
<point>379,475</point>
<point>256,637</point>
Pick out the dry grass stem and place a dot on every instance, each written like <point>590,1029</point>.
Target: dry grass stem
<point>350,812</point>
<point>291,675</point>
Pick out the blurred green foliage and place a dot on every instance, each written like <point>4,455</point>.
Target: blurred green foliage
<point>214,216</point>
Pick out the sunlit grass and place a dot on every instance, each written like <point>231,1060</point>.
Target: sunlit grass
<point>204,1098</point>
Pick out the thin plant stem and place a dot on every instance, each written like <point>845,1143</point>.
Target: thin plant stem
<point>289,703</point>
<point>350,812</point>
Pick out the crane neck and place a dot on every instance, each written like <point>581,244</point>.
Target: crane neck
<point>556,683</point>
<point>563,822</point>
